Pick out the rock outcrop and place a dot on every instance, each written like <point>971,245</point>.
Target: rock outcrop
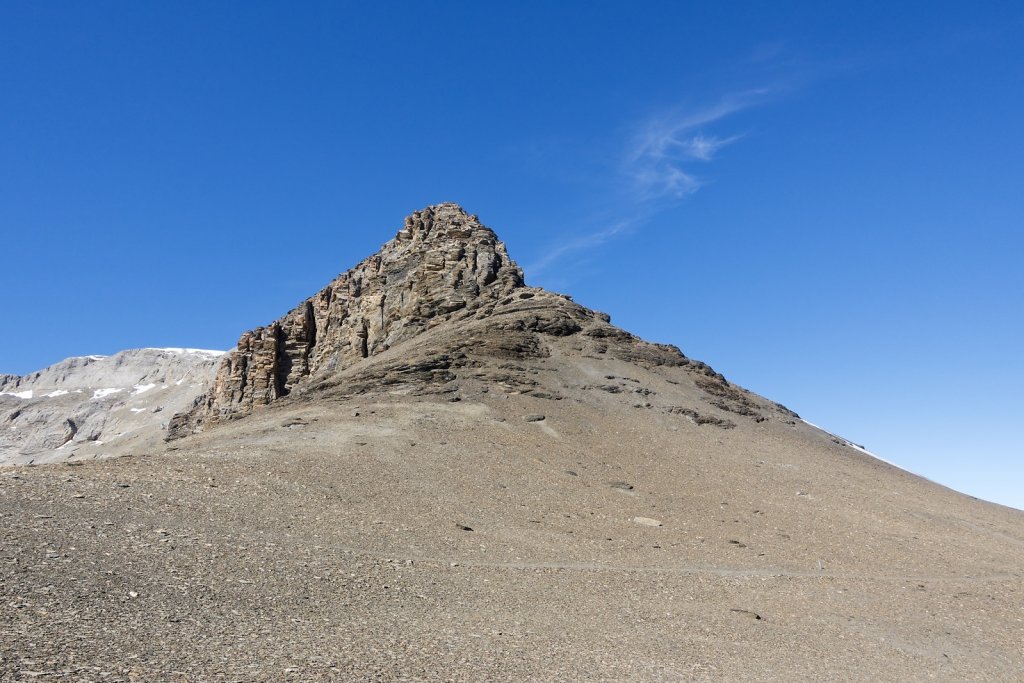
<point>445,280</point>
<point>441,261</point>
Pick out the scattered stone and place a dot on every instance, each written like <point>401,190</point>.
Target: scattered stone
<point>534,417</point>
<point>699,418</point>
<point>621,485</point>
<point>747,613</point>
<point>647,521</point>
<point>543,394</point>
<point>463,527</point>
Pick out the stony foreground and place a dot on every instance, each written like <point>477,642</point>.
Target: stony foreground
<point>426,539</point>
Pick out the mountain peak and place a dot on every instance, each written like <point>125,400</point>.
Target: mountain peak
<point>443,235</point>
<point>450,219</point>
<point>442,261</point>
<point>445,277</point>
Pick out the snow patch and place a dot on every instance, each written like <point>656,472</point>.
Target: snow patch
<point>138,410</point>
<point>101,393</point>
<point>856,446</point>
<point>141,388</point>
<point>17,394</point>
<point>58,392</point>
<point>201,352</point>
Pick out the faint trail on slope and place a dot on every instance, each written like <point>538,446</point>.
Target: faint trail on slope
<point>733,572</point>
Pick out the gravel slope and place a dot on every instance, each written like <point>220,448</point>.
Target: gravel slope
<point>439,530</point>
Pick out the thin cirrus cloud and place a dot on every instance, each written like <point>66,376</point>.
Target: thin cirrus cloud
<point>581,243</point>
<point>663,149</point>
<point>657,168</point>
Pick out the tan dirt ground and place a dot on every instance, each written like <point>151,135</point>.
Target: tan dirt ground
<point>397,536</point>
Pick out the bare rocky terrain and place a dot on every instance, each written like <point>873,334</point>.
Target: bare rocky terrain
<point>431,471</point>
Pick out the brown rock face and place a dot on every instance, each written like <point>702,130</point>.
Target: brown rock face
<point>442,261</point>
<point>451,306</point>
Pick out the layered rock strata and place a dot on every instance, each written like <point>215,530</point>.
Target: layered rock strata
<point>442,261</point>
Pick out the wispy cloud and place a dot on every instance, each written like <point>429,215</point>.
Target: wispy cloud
<point>658,168</point>
<point>587,241</point>
<point>663,150</point>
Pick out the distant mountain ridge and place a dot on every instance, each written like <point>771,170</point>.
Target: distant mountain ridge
<point>98,406</point>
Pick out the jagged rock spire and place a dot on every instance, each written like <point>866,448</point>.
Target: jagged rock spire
<point>443,260</point>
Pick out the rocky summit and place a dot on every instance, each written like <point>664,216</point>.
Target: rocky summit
<point>441,262</point>
<point>443,267</point>
<point>432,471</point>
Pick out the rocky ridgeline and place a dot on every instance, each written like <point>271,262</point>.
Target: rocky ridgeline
<point>443,266</point>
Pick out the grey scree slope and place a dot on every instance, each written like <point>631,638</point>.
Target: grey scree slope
<point>432,471</point>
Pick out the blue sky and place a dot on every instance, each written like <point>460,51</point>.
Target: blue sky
<point>823,203</point>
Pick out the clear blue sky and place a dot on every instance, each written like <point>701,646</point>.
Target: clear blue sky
<point>824,201</point>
